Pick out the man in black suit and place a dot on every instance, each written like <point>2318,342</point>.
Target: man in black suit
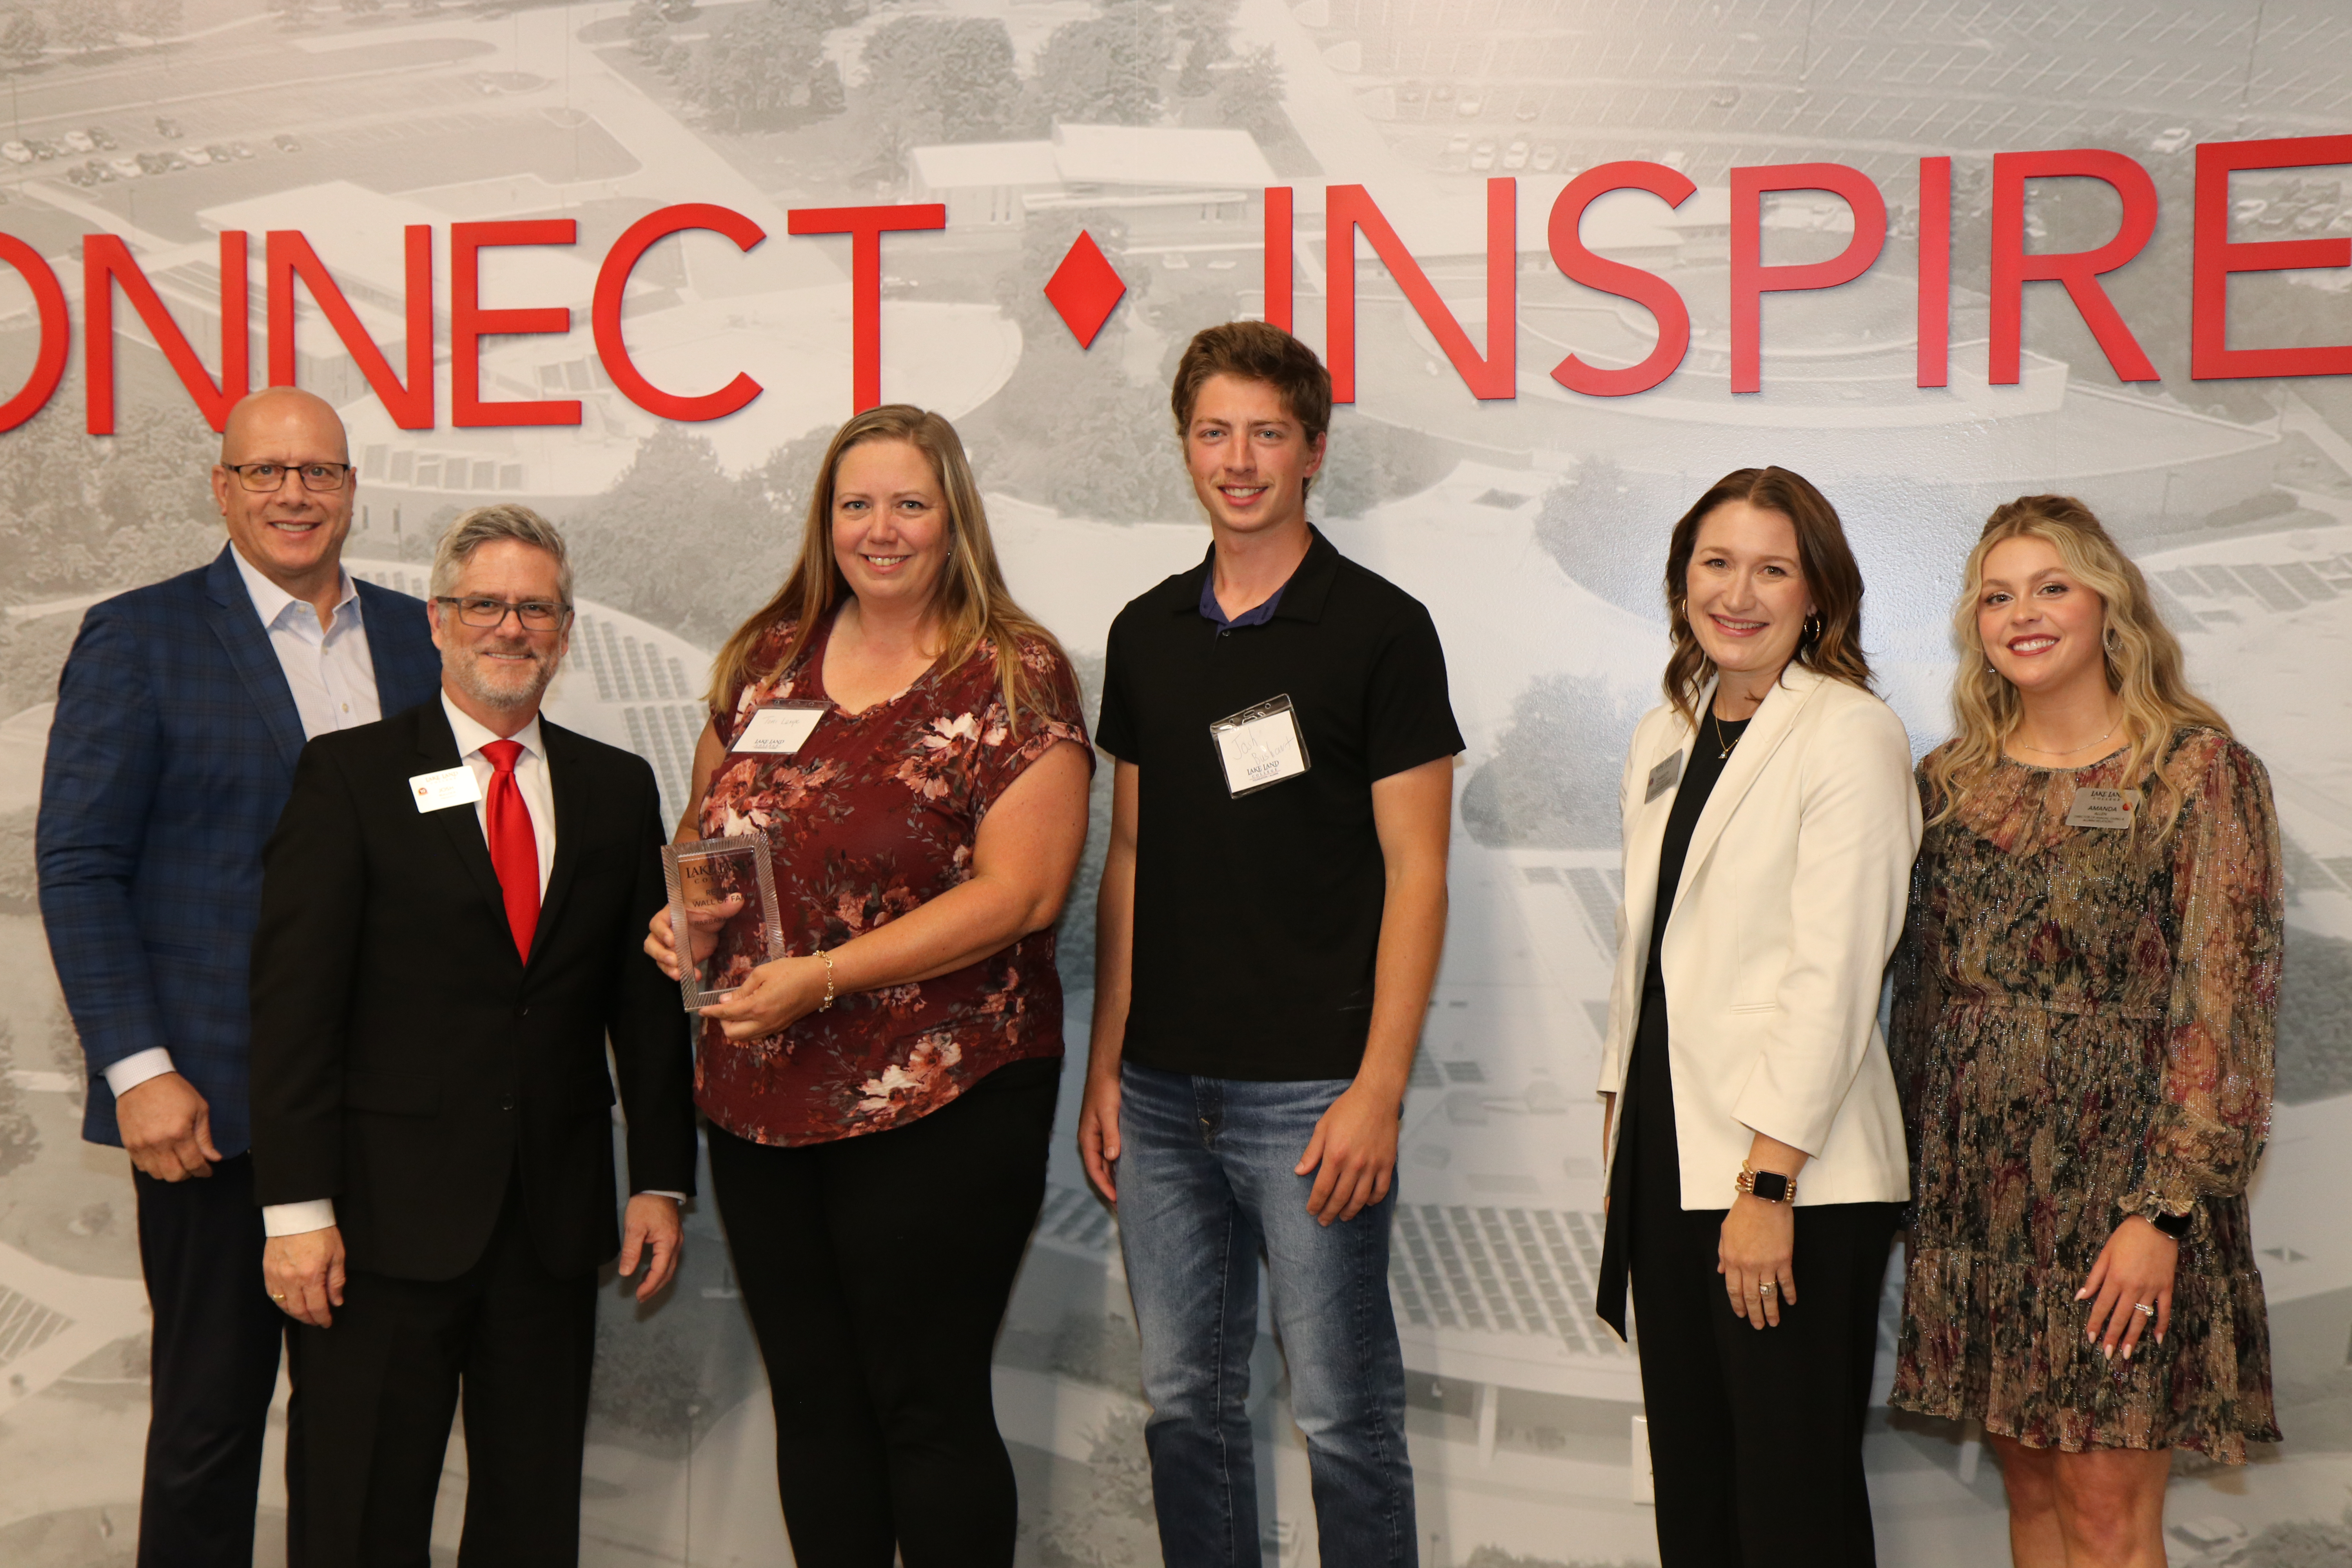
<point>452,913</point>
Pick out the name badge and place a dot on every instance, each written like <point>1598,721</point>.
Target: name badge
<point>777,729</point>
<point>1663,777</point>
<point>1260,746</point>
<point>2103,808</point>
<point>450,786</point>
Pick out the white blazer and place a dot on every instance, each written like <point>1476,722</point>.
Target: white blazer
<point>1791,902</point>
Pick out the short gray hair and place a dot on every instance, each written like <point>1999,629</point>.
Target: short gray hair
<point>487,525</point>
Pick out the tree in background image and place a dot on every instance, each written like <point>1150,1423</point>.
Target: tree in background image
<point>1205,29</point>
<point>681,542</point>
<point>87,25</point>
<point>1552,781</point>
<point>1104,70</point>
<point>82,514</point>
<point>293,13</point>
<point>1607,529</point>
<point>938,79</point>
<point>1249,93</point>
<point>766,68</point>
<point>154,20</point>
<point>19,1139</point>
<point>23,39</point>
<point>363,7</point>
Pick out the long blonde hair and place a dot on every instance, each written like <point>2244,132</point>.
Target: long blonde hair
<point>972,601</point>
<point>2143,657</point>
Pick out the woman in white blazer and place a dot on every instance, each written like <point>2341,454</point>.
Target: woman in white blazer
<point>1756,1146</point>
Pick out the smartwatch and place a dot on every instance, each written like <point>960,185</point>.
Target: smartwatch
<point>1768,1186</point>
<point>2174,1226</point>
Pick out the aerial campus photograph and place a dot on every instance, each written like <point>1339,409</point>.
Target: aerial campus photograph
<point>1532,526</point>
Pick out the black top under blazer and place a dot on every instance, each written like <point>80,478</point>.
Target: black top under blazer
<point>407,1063</point>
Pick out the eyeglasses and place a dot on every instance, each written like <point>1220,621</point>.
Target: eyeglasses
<point>482,611</point>
<point>266,477</point>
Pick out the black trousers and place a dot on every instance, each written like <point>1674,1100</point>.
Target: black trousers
<point>876,1270</point>
<point>213,1370</point>
<point>1755,1434</point>
<point>374,1392</point>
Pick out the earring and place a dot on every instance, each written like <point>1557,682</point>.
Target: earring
<point>2108,640</point>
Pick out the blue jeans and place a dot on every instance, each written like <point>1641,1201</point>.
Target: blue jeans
<point>1204,1180</point>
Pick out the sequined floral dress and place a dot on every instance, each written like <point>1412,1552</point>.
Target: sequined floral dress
<point>2083,1027</point>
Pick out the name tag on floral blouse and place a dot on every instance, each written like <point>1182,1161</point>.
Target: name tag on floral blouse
<point>2103,808</point>
<point>778,729</point>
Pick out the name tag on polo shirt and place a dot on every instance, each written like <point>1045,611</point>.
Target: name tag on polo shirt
<point>1663,777</point>
<point>778,729</point>
<point>2103,808</point>
<point>450,786</point>
<point>1260,746</point>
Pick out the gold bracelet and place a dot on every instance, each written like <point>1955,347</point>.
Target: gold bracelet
<point>827,1003</point>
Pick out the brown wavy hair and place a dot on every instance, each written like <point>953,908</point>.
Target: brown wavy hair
<point>971,602</point>
<point>1831,640</point>
<point>1261,351</point>
<point>2143,657</point>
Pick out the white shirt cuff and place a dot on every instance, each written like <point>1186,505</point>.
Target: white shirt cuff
<point>295,1219</point>
<point>136,1068</point>
<point>657,1192</point>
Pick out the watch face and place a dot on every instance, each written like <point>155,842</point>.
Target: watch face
<point>1772,1186</point>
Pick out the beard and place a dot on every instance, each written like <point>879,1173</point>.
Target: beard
<point>501,685</point>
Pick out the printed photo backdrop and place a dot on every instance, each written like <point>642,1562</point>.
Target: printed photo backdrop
<point>1862,325</point>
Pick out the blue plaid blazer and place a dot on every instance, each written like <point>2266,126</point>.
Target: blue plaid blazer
<point>170,758</point>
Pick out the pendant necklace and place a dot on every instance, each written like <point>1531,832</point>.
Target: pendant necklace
<point>1724,746</point>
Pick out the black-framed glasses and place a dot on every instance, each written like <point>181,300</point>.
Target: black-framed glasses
<point>481,611</point>
<point>266,477</point>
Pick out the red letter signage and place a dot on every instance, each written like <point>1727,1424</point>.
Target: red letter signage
<point>613,284</point>
<point>866,227</point>
<point>2211,357</point>
<point>1935,272</point>
<point>106,261</point>
<point>57,332</point>
<point>2079,270</point>
<point>288,255</point>
<point>469,323</point>
<point>1348,209</point>
<point>1751,279</point>
<point>1277,257</point>
<point>1647,289</point>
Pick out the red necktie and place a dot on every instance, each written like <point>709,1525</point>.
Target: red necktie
<point>514,848</point>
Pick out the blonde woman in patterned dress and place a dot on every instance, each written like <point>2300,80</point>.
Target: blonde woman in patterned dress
<point>2087,996</point>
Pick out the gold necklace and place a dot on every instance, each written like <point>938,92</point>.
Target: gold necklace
<point>2070,751</point>
<point>1724,747</point>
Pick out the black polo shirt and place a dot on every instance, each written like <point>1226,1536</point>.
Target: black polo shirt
<point>1258,918</point>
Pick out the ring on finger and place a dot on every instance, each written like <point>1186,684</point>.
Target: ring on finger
<point>2144,1308</point>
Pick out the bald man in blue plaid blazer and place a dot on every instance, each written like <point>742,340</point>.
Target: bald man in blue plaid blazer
<point>180,713</point>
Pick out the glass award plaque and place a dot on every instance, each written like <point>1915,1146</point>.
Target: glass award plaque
<point>723,910</point>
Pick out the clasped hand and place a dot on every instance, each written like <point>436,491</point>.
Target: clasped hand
<point>773,996</point>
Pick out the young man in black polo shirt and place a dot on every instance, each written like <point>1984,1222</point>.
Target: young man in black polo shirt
<point>1273,907</point>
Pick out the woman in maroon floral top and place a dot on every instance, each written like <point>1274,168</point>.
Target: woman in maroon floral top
<point>880,1099</point>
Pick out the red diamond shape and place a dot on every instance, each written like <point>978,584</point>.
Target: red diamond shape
<point>1085,290</point>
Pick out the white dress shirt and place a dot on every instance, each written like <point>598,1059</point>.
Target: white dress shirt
<point>539,800</point>
<point>531,778</point>
<point>332,677</point>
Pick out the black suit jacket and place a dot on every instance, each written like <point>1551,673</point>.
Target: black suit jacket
<point>407,1062</point>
